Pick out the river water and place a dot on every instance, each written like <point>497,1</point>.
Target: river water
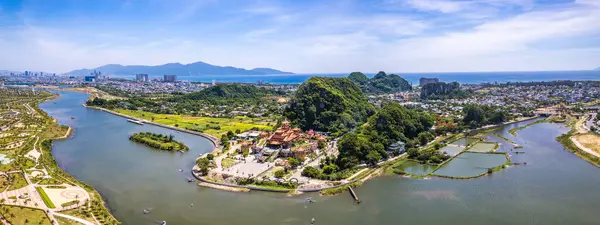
<point>555,187</point>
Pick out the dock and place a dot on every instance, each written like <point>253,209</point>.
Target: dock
<point>353,195</point>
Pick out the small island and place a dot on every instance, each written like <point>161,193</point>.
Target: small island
<point>158,141</point>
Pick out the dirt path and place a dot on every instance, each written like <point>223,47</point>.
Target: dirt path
<point>580,146</point>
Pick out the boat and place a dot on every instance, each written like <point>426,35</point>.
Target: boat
<point>72,118</point>
<point>135,121</point>
<point>146,211</point>
<point>163,223</point>
<point>190,180</point>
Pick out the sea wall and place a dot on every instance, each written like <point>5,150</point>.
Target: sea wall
<point>215,141</point>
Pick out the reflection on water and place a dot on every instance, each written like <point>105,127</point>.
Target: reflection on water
<point>469,164</point>
<point>416,168</point>
<point>556,187</point>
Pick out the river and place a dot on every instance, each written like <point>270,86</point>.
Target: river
<point>555,187</point>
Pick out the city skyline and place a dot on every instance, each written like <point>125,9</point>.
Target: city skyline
<point>304,37</point>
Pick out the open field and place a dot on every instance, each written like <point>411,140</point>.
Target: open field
<point>590,141</point>
<point>18,181</point>
<point>206,125</point>
<point>21,216</point>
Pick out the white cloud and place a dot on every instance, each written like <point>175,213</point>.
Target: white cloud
<point>341,40</point>
<point>444,6</point>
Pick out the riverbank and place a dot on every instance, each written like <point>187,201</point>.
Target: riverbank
<point>98,206</point>
<point>216,141</point>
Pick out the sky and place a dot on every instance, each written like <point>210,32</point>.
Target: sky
<point>303,36</point>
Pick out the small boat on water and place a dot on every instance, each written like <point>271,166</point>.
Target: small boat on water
<point>146,211</point>
<point>163,223</point>
<point>72,118</point>
<point>190,179</point>
<point>135,121</point>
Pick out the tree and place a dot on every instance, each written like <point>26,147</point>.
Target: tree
<point>329,169</point>
<point>373,158</point>
<point>279,173</point>
<point>294,162</point>
<point>230,134</point>
<point>204,165</point>
<point>311,172</point>
<point>474,115</point>
<point>210,156</point>
<point>425,137</point>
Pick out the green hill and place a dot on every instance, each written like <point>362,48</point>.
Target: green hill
<point>380,83</point>
<point>221,92</point>
<point>328,104</point>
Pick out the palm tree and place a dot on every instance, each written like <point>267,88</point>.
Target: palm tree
<point>171,137</point>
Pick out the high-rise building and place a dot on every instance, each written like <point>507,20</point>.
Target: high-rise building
<point>423,81</point>
<point>89,78</point>
<point>169,78</point>
<point>141,77</point>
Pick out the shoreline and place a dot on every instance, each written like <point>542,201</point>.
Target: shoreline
<point>214,140</point>
<point>70,177</point>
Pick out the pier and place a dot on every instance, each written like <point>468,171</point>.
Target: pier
<point>353,195</point>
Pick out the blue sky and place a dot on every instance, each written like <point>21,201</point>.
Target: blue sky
<point>306,36</point>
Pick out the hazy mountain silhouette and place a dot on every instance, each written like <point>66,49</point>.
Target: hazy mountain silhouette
<point>192,69</point>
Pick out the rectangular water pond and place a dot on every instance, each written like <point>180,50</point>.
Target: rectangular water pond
<point>416,168</point>
<point>470,164</point>
<point>482,147</point>
<point>451,150</point>
<point>465,141</point>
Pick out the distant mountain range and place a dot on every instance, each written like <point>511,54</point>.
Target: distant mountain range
<point>192,69</point>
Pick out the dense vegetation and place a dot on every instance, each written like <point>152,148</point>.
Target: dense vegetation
<point>392,123</point>
<point>215,101</point>
<point>441,90</point>
<point>380,83</point>
<point>328,104</point>
<point>227,93</point>
<point>158,141</point>
<point>480,115</point>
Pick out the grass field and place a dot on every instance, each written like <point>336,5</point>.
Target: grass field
<point>64,221</point>
<point>590,141</point>
<point>45,197</point>
<point>80,212</point>
<point>21,216</point>
<point>18,181</point>
<point>203,124</point>
<point>227,162</point>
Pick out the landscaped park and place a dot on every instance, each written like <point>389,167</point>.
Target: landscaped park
<point>33,189</point>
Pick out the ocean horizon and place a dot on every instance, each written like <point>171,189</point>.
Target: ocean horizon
<point>461,77</point>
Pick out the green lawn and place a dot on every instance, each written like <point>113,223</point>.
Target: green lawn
<point>205,124</point>
<point>18,181</point>
<point>227,162</point>
<point>45,197</point>
<point>3,183</point>
<point>81,212</point>
<point>64,221</point>
<point>67,204</point>
<point>21,216</point>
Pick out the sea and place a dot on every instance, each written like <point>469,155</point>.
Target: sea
<point>461,77</point>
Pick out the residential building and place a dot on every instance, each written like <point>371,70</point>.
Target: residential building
<point>169,78</point>
<point>141,77</point>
